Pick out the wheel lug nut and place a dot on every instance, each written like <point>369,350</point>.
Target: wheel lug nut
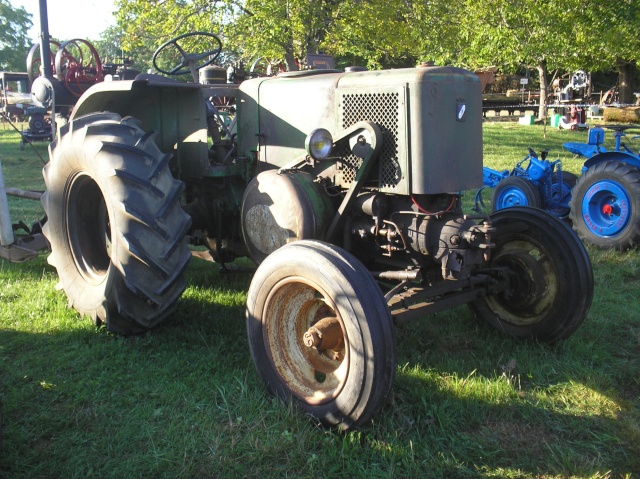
<point>312,339</point>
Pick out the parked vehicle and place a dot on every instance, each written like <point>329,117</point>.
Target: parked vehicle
<point>605,202</point>
<point>342,187</point>
<point>535,182</point>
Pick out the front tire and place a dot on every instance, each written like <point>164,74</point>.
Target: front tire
<point>550,277</point>
<point>605,205</point>
<point>514,191</point>
<point>115,223</point>
<point>321,334</point>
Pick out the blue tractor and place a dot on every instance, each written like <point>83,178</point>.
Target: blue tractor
<point>605,202</point>
<point>534,181</point>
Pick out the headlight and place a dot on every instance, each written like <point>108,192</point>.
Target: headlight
<point>319,144</point>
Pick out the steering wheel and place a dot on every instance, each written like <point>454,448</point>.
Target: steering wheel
<point>188,62</point>
<point>620,128</point>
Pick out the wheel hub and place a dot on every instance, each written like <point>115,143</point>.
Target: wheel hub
<point>533,284</point>
<point>606,208</point>
<point>326,335</point>
<point>305,337</point>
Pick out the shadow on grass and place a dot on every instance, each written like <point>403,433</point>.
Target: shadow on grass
<point>81,402</point>
<point>184,401</point>
<point>515,405</point>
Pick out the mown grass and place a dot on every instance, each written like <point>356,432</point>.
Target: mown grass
<point>183,401</point>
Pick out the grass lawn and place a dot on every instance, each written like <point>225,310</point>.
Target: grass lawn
<point>184,401</point>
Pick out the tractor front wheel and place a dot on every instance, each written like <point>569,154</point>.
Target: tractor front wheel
<point>605,205</point>
<point>115,223</point>
<point>320,333</point>
<point>549,272</point>
<point>514,191</point>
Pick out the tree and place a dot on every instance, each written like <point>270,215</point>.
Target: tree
<point>373,31</point>
<point>14,42</point>
<point>435,29</point>
<point>143,25</point>
<point>110,46</point>
<point>542,35</point>
<point>513,34</point>
<point>610,39</point>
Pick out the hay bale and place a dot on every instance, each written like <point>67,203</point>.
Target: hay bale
<point>628,114</point>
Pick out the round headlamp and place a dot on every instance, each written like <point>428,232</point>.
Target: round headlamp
<point>319,144</point>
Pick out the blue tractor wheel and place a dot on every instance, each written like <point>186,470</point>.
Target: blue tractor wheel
<point>562,196</point>
<point>514,191</point>
<point>605,205</point>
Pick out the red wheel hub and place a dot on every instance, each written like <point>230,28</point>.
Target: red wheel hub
<point>607,209</point>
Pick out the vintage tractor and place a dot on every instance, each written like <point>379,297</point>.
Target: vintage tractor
<point>534,181</point>
<point>14,94</point>
<point>605,202</point>
<point>344,187</point>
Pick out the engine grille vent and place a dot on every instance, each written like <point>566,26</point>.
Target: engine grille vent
<point>384,109</point>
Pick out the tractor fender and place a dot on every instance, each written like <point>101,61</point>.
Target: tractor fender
<point>584,149</point>
<point>115,96</point>
<point>282,207</point>
<point>611,156</point>
<point>175,111</point>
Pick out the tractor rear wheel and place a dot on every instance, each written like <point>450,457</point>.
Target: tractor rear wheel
<point>115,223</point>
<point>562,195</point>
<point>605,205</point>
<point>550,277</point>
<point>514,191</point>
<point>320,333</point>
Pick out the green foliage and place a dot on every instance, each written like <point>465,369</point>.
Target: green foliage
<point>437,32</point>
<point>110,46</point>
<point>374,31</point>
<point>282,31</point>
<point>278,30</point>
<point>515,34</point>
<point>142,25</point>
<point>611,32</point>
<point>14,41</point>
<point>573,34</point>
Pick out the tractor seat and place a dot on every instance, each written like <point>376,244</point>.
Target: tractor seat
<point>596,136</point>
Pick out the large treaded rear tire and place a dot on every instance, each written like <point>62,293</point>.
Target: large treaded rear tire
<point>605,205</point>
<point>115,223</point>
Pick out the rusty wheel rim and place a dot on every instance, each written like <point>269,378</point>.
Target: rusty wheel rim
<point>293,306</point>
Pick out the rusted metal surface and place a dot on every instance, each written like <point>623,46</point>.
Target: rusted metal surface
<point>292,308</point>
<point>326,335</point>
<point>416,302</point>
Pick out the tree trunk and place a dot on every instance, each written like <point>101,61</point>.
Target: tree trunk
<point>626,77</point>
<point>290,57</point>
<point>290,60</point>
<point>542,73</point>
